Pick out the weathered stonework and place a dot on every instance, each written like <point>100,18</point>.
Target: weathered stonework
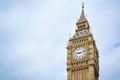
<point>87,67</point>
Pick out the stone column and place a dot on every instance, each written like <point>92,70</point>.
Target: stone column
<point>91,73</point>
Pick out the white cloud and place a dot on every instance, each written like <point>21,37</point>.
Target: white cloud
<point>34,36</point>
<point>31,50</point>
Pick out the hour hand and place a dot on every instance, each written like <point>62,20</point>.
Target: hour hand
<point>79,53</point>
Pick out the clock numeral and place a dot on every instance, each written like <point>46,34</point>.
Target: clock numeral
<point>79,57</point>
<point>75,56</point>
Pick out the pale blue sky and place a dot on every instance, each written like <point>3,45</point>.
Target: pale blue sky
<point>34,34</point>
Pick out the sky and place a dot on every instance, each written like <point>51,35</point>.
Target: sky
<point>34,35</point>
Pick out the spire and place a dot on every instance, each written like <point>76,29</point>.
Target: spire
<point>82,17</point>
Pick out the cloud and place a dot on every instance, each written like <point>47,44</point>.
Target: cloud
<point>34,34</point>
<point>27,40</point>
<point>109,64</point>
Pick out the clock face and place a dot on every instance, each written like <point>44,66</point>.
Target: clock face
<point>79,53</point>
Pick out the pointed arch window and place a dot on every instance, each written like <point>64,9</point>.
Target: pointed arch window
<point>75,76</point>
<point>83,75</point>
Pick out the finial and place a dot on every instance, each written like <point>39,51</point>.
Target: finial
<point>76,19</point>
<point>82,3</point>
<point>69,35</point>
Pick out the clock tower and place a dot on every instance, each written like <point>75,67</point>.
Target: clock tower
<point>82,53</point>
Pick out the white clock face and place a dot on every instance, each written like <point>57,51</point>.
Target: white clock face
<point>79,53</point>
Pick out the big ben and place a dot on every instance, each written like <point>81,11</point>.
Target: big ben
<point>82,53</point>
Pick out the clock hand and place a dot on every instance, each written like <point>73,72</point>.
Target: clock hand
<point>83,51</point>
<point>79,53</point>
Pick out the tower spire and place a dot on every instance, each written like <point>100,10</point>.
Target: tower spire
<point>82,4</point>
<point>82,17</point>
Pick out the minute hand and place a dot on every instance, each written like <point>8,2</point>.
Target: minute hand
<point>83,51</point>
